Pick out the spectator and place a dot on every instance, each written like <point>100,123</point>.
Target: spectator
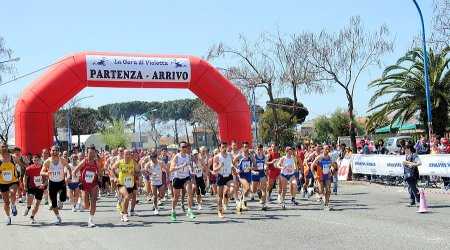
<point>365,147</point>
<point>401,145</point>
<point>421,146</point>
<point>380,148</point>
<point>411,173</point>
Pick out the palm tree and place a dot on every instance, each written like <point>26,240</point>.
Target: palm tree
<point>400,90</point>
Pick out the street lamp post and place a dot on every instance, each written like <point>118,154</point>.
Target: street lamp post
<point>69,111</point>
<point>425,73</point>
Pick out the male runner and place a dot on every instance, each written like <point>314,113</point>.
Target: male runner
<point>125,171</point>
<point>273,172</point>
<point>223,166</point>
<point>259,180</point>
<point>73,181</point>
<point>9,181</point>
<point>53,169</point>
<point>324,174</point>
<point>89,175</point>
<point>154,170</point>
<point>244,166</point>
<point>288,167</point>
<point>198,175</point>
<point>34,186</point>
<point>181,167</point>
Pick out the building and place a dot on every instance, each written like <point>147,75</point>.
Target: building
<point>204,137</point>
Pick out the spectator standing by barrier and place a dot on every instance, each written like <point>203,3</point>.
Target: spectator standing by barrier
<point>411,173</point>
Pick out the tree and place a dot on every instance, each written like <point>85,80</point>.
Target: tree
<point>400,91</point>
<point>82,121</point>
<point>440,36</point>
<point>5,55</point>
<point>322,129</point>
<point>125,111</point>
<point>207,118</point>
<point>6,117</point>
<point>255,67</point>
<point>297,111</point>
<point>286,129</point>
<point>178,110</point>
<point>340,58</point>
<point>115,135</point>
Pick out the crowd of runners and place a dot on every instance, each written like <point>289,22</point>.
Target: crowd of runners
<point>233,173</point>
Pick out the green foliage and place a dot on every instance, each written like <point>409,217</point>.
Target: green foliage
<point>400,91</point>
<point>299,111</point>
<point>338,124</point>
<point>82,120</point>
<point>286,133</point>
<point>322,130</point>
<point>115,135</point>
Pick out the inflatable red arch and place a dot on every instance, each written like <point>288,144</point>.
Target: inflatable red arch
<point>38,102</point>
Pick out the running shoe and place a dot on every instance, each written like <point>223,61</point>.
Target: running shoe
<point>283,206</point>
<point>155,212</point>
<point>14,210</point>
<point>124,218</point>
<point>190,214</point>
<point>74,209</point>
<point>220,213</point>
<point>294,202</point>
<point>8,221</point>
<point>133,213</point>
<point>26,211</point>
<point>199,207</point>
<point>58,221</point>
<point>183,207</point>
<point>173,216</point>
<point>32,221</point>
<point>264,207</point>
<point>91,224</point>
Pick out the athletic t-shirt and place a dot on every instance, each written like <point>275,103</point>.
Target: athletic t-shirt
<point>226,163</point>
<point>183,163</point>
<point>288,167</point>
<point>8,172</point>
<point>155,172</point>
<point>55,171</point>
<point>34,176</point>
<point>245,165</point>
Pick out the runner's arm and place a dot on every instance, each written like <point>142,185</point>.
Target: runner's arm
<point>44,170</point>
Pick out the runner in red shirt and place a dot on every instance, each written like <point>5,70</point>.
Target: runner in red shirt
<point>89,170</point>
<point>273,172</point>
<point>34,186</point>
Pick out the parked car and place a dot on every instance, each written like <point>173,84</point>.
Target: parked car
<point>393,143</point>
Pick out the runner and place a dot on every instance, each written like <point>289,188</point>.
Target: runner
<point>125,171</point>
<point>73,181</point>
<point>89,170</point>
<point>314,152</point>
<point>181,167</point>
<point>223,167</point>
<point>53,169</point>
<point>9,181</point>
<point>288,167</point>
<point>244,166</point>
<point>259,180</point>
<point>154,170</point>
<point>44,156</point>
<point>137,185</point>
<point>34,186</point>
<point>199,171</point>
<point>324,174</point>
<point>147,183</point>
<point>273,172</point>
<point>21,166</point>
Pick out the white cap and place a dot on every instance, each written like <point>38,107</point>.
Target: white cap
<point>195,151</point>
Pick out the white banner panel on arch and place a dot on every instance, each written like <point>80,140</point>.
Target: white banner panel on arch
<point>137,68</point>
<point>436,165</point>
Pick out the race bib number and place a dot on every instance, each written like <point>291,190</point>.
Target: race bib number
<point>156,177</point>
<point>129,181</point>
<point>260,166</point>
<point>326,168</point>
<point>56,175</point>
<point>7,175</point>
<point>37,181</point>
<point>289,171</point>
<point>89,177</point>
<point>246,167</point>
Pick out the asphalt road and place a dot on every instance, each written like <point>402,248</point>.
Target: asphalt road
<point>365,216</point>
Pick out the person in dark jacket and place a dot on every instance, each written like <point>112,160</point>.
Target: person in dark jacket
<point>411,172</point>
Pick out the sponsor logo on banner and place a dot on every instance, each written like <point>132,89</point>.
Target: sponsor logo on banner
<point>137,69</point>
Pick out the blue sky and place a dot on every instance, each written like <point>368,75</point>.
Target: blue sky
<point>40,32</point>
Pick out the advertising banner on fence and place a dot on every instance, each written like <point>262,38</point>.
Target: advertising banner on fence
<point>436,165</point>
<point>344,168</point>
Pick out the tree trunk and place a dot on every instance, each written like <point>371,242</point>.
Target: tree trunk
<point>79,141</point>
<point>187,134</point>
<point>134,124</point>
<point>176,132</point>
<point>352,125</point>
<point>275,114</point>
